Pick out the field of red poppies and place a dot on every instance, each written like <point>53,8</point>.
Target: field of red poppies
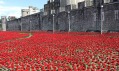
<point>45,51</point>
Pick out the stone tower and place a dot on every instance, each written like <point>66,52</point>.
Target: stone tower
<point>73,2</point>
<point>4,20</point>
<point>29,11</point>
<point>25,12</point>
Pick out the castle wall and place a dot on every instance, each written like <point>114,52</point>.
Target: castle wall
<point>47,22</point>
<point>28,23</point>
<point>13,25</point>
<point>61,22</point>
<point>111,17</point>
<point>83,19</point>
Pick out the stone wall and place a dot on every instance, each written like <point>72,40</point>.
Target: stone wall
<point>61,21</point>
<point>111,17</point>
<point>27,23</point>
<point>47,23</point>
<point>92,18</point>
<point>13,25</point>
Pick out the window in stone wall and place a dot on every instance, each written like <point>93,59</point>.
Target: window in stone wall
<point>27,12</point>
<point>116,14</point>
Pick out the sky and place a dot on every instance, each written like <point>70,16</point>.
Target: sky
<point>13,7</point>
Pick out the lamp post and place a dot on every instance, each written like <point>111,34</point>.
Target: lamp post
<point>69,21</point>
<point>21,26</point>
<point>101,19</point>
<point>30,26</point>
<point>53,24</point>
<point>39,23</point>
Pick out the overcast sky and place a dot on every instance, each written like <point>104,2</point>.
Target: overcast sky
<point>13,7</point>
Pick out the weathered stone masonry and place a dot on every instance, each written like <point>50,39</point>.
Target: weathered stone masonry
<point>82,19</point>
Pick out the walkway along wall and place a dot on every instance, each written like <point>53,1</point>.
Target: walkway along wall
<point>85,19</point>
